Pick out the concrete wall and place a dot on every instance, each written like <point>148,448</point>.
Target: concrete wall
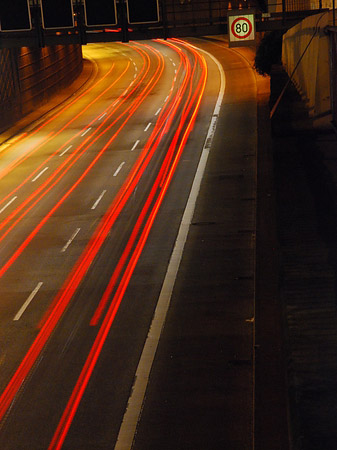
<point>311,77</point>
<point>30,76</point>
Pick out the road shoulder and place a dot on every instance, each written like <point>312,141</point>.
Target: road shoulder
<point>200,393</point>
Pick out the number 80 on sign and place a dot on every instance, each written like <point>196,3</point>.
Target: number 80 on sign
<point>241,28</point>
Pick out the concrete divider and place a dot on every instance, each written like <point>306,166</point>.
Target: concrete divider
<point>307,45</point>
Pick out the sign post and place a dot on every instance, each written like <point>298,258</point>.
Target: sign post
<point>241,27</point>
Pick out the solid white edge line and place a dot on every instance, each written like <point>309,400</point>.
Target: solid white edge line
<point>39,174</point>
<point>99,199</point>
<point>118,169</point>
<point>9,203</point>
<point>132,414</point>
<point>71,239</point>
<point>27,302</point>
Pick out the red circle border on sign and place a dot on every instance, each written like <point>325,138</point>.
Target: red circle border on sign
<point>249,25</point>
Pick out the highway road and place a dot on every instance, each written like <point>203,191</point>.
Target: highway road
<point>92,197</point>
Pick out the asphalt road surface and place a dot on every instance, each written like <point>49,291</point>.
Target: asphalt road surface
<point>92,198</point>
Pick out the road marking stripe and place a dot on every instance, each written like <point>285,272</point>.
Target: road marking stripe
<point>119,168</point>
<point>131,417</point>
<point>147,126</point>
<point>86,131</point>
<point>100,118</point>
<point>9,203</point>
<point>135,145</point>
<point>28,301</point>
<point>65,151</point>
<point>158,112</point>
<point>98,200</point>
<point>39,174</point>
<point>71,239</point>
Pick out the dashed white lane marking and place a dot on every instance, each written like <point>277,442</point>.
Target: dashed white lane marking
<point>131,417</point>
<point>98,200</point>
<point>28,301</point>
<point>166,98</point>
<point>174,64</point>
<point>9,203</point>
<point>71,239</point>
<point>135,145</point>
<point>86,131</point>
<point>158,111</point>
<point>100,118</point>
<point>65,151</point>
<point>119,169</point>
<point>147,126</point>
<point>39,174</point>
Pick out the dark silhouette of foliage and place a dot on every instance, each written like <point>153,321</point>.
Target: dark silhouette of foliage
<point>269,52</point>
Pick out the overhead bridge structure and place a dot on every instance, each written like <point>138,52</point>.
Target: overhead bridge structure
<point>40,23</point>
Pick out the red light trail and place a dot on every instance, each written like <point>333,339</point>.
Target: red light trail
<point>193,101</point>
<point>182,108</point>
<point>26,136</point>
<point>72,159</point>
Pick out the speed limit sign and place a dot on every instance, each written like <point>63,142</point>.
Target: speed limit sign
<point>241,27</point>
